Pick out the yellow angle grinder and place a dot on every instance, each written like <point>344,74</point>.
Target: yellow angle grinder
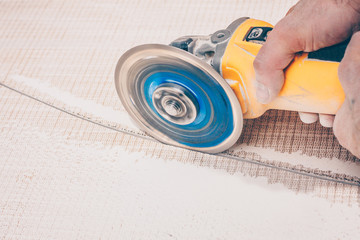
<point>196,92</point>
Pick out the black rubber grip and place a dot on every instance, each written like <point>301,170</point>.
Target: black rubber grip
<point>334,53</point>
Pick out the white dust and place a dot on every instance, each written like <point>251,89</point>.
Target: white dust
<point>121,117</point>
<point>106,192</point>
<point>87,106</point>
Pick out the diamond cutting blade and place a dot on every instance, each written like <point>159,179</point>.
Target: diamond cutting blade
<point>178,99</point>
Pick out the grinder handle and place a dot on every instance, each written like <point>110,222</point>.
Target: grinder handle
<point>311,80</point>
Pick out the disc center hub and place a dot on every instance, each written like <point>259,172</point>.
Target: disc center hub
<point>173,106</point>
<point>175,103</point>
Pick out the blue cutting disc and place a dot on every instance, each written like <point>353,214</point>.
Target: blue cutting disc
<point>178,99</point>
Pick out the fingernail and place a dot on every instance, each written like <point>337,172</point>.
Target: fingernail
<point>262,92</point>
<point>308,118</point>
<point>327,120</point>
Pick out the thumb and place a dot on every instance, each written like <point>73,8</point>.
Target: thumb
<point>275,55</point>
<point>347,119</point>
<point>349,76</point>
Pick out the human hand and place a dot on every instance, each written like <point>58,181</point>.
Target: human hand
<point>309,26</point>
<point>347,119</point>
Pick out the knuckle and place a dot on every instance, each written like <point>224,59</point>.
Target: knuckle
<point>288,30</point>
<point>283,31</point>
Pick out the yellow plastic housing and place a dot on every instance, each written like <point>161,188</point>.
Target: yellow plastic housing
<point>310,85</point>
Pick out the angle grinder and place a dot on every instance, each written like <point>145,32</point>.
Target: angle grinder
<point>195,92</point>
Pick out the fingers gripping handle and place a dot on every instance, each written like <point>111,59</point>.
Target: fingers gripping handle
<point>311,80</point>
<point>312,83</point>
